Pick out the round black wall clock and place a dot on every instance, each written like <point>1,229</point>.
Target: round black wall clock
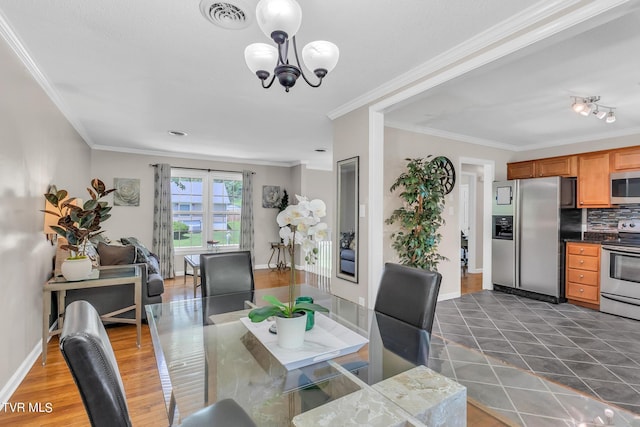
<point>448,173</point>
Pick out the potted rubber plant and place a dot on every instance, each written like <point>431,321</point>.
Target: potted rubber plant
<point>78,223</point>
<point>299,225</point>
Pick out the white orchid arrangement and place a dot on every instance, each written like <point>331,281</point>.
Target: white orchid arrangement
<point>300,225</point>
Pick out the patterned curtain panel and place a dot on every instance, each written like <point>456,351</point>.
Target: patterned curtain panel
<point>163,220</point>
<point>246,225</point>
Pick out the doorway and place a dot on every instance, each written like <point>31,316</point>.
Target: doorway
<point>476,176</point>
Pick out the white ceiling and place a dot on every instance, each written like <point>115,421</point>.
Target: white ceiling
<point>523,100</point>
<point>125,72</point>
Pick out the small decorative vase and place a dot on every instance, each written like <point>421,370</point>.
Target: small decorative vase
<point>74,269</point>
<point>291,330</point>
<point>310,314</point>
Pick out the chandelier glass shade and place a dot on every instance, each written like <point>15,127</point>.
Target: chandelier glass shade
<point>280,20</point>
<point>590,106</point>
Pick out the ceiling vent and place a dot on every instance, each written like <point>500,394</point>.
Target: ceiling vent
<point>230,15</point>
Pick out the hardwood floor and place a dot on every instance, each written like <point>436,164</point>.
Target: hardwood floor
<point>471,283</point>
<point>53,388</point>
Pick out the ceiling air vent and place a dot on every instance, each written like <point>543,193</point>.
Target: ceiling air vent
<point>231,14</point>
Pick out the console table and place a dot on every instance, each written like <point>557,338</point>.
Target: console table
<point>192,261</point>
<point>104,276</point>
<point>279,250</point>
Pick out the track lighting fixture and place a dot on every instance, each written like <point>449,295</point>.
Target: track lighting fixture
<point>589,105</point>
<point>610,117</point>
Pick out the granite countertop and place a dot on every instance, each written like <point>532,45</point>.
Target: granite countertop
<point>597,241</point>
<point>595,237</point>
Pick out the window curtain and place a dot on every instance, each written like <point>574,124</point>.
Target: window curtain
<point>246,219</point>
<point>163,220</point>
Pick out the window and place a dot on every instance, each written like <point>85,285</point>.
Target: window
<point>206,207</point>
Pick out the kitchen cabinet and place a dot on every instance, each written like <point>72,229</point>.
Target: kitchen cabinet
<point>552,166</point>
<point>521,170</point>
<point>557,166</point>
<point>625,159</point>
<point>583,274</point>
<point>593,180</point>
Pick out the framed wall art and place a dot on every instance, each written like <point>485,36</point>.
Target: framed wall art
<point>127,192</point>
<point>270,196</point>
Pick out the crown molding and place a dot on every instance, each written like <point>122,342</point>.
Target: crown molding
<point>577,140</point>
<point>506,32</point>
<point>516,148</point>
<point>451,135</point>
<point>323,166</point>
<point>17,46</point>
<point>195,156</point>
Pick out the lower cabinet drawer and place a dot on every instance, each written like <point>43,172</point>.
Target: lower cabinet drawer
<point>583,292</point>
<point>583,249</point>
<point>583,262</point>
<point>583,276</point>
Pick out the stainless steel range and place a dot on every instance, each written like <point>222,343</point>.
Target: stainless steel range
<point>620,272</point>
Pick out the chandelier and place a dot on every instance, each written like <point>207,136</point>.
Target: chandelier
<point>589,105</point>
<point>280,21</point>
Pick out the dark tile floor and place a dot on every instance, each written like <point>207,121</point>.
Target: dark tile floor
<point>518,397</point>
<point>592,352</point>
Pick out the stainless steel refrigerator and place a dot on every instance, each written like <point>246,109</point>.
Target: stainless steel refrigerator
<point>531,219</point>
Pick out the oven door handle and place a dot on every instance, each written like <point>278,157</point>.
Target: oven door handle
<point>618,298</point>
<point>622,249</point>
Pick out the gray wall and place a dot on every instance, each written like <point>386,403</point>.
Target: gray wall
<point>399,145</point>
<point>137,221</point>
<point>38,147</point>
<point>350,139</point>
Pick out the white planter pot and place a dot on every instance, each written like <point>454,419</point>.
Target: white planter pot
<point>76,269</point>
<point>291,331</point>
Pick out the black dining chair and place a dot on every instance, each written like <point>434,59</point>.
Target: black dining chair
<point>409,294</point>
<point>87,350</point>
<point>229,277</point>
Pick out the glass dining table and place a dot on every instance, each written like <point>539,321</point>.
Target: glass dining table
<point>205,353</point>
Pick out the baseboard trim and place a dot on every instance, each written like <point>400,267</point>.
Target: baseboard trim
<point>450,295</point>
<point>20,374</point>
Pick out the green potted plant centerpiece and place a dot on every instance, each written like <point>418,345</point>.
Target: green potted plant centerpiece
<point>77,224</point>
<point>299,225</point>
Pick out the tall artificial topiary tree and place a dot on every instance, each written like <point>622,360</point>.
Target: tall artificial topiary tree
<point>420,217</point>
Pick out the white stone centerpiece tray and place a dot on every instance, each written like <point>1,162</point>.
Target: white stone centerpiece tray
<point>326,340</point>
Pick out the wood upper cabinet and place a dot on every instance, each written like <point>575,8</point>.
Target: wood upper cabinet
<point>557,166</point>
<point>593,180</point>
<point>553,166</point>
<point>592,170</point>
<point>521,170</point>
<point>625,159</point>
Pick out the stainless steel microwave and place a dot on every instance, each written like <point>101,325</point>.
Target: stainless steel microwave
<point>625,187</point>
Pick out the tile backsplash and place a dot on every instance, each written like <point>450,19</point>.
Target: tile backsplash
<point>606,220</point>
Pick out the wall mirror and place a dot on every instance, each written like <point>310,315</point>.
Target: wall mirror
<point>347,221</point>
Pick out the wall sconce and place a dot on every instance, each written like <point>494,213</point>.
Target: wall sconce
<point>49,220</point>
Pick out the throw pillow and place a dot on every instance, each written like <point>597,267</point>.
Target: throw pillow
<point>142,254</point>
<point>137,243</point>
<point>116,255</point>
